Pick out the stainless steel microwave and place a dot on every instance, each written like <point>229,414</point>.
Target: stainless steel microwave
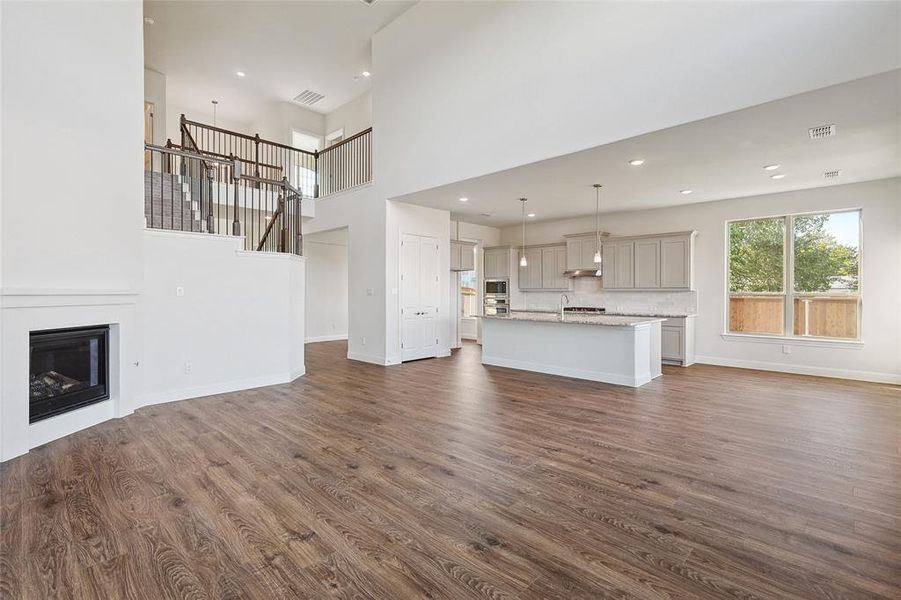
<point>496,287</point>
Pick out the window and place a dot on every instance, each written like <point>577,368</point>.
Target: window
<point>304,176</point>
<point>795,276</point>
<point>469,291</point>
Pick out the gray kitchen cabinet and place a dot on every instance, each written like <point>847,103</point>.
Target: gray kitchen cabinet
<point>671,343</point>
<point>545,268</point>
<point>675,262</point>
<point>647,263</point>
<point>497,262</point>
<point>619,265</point>
<point>456,256</point>
<point>677,341</point>
<point>462,257</point>
<point>580,252</point>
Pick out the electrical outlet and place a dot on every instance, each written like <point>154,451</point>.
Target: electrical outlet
<point>363,340</point>
<point>189,368</point>
<point>369,291</point>
<point>786,349</point>
<point>179,291</point>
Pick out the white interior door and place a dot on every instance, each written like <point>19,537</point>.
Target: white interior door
<point>419,297</point>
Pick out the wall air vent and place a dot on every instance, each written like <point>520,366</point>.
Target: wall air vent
<point>308,97</point>
<point>822,131</point>
<point>832,174</point>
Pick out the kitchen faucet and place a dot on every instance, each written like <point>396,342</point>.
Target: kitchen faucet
<point>564,300</point>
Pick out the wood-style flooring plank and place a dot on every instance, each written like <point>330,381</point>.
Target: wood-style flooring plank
<point>445,479</point>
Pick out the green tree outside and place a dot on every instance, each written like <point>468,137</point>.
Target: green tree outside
<point>821,263</point>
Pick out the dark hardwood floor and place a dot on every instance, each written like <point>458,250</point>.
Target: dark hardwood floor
<point>445,479</point>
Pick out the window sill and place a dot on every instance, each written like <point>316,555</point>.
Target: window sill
<point>793,341</point>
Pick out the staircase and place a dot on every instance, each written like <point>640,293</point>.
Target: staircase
<point>170,204</point>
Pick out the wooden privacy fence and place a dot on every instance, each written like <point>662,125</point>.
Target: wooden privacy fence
<point>814,315</point>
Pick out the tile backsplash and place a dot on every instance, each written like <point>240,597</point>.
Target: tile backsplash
<point>587,291</point>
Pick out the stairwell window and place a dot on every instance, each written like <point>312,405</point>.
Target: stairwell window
<point>795,276</point>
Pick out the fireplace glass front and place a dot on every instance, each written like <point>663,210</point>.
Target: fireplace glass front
<point>68,370</point>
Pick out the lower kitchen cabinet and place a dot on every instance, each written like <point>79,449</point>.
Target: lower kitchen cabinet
<point>677,341</point>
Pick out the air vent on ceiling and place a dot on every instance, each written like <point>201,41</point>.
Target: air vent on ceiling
<point>832,174</point>
<point>308,97</point>
<point>823,131</point>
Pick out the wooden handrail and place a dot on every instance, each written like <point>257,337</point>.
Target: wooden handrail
<point>252,138</point>
<point>229,158</point>
<point>345,141</point>
<point>275,216</point>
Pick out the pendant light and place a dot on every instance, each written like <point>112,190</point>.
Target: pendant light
<point>597,227</point>
<point>522,258</point>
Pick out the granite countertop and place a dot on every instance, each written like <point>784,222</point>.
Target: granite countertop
<point>631,313</point>
<point>577,319</point>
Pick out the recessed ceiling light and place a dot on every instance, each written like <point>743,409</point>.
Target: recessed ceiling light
<point>365,73</point>
<point>149,21</point>
<point>771,167</point>
<point>686,192</point>
<point>464,199</point>
<point>486,214</point>
<point>240,73</point>
<point>777,176</point>
<point>530,215</point>
<point>636,162</point>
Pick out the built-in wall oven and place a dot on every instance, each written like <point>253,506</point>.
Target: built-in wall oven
<point>496,301</point>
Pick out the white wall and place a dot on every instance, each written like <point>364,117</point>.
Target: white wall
<point>880,357</point>
<point>362,211</point>
<point>277,120</point>
<point>173,116</point>
<point>239,323</point>
<point>355,116</point>
<point>468,88</point>
<point>155,93</point>
<point>73,78</point>
<point>326,291</point>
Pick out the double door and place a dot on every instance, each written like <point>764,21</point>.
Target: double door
<point>419,284</point>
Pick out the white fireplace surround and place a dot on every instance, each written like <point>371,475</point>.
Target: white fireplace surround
<point>25,311</point>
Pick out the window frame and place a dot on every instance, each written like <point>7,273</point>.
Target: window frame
<point>788,284</point>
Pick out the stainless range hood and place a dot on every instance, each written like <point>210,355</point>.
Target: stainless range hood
<point>581,273</point>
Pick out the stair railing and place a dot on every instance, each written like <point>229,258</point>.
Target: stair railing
<point>199,192</point>
<point>346,164</point>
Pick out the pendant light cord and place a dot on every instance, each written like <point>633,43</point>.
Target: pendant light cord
<point>523,201</point>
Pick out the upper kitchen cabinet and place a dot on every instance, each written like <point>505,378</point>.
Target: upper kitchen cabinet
<point>497,262</point>
<point>618,267</point>
<point>658,262</point>
<point>544,269</point>
<point>580,251</point>
<point>676,257</point>
<point>462,256</point>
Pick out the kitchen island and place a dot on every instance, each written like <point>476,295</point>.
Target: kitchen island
<point>611,349</point>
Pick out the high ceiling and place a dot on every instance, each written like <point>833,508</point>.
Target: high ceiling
<point>283,48</point>
<point>717,158</point>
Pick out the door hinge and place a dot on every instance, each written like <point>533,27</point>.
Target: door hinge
<point>436,340</point>
<point>402,345</point>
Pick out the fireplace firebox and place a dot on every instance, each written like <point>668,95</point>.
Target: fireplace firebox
<point>68,369</point>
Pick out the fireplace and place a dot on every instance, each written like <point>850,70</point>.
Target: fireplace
<point>68,369</point>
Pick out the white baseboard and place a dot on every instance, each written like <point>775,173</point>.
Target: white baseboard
<point>599,376</point>
<point>367,358</point>
<point>872,376</point>
<point>224,387</point>
<point>325,338</point>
